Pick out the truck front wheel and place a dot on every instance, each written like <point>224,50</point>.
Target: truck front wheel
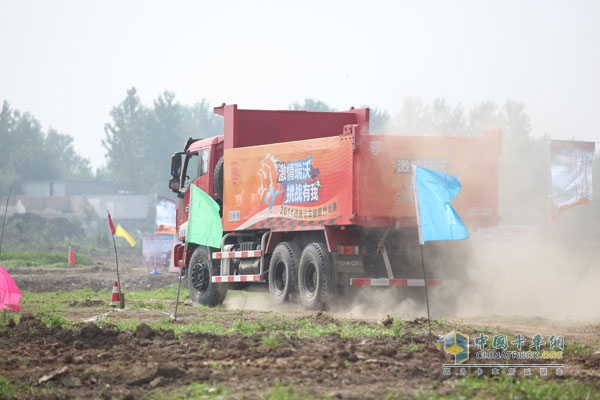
<point>200,272</point>
<point>315,276</point>
<point>283,271</point>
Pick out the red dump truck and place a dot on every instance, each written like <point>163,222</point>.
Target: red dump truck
<point>314,206</point>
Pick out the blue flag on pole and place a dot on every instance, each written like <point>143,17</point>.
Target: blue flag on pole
<point>204,222</point>
<point>436,218</point>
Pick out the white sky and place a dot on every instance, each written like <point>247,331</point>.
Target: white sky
<point>69,62</point>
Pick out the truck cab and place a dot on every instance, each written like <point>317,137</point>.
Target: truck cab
<point>197,164</point>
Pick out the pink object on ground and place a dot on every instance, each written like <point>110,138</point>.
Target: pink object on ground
<point>10,294</point>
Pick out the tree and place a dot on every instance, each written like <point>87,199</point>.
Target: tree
<point>125,144</point>
<point>7,173</point>
<point>199,121</point>
<point>164,139</point>
<point>311,105</point>
<point>413,118</point>
<point>140,141</point>
<point>484,116</point>
<point>379,120</point>
<point>29,154</point>
<point>70,165</point>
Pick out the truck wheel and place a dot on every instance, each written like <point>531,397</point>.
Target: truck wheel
<point>315,276</point>
<point>218,178</point>
<point>200,272</point>
<point>283,271</point>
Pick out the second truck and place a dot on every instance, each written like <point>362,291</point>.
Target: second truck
<point>314,206</point>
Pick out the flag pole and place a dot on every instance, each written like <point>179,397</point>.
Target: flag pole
<point>178,290</point>
<point>4,219</point>
<point>111,225</point>
<point>421,244</point>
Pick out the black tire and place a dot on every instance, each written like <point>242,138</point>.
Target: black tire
<point>200,272</point>
<point>218,178</point>
<point>283,272</point>
<point>315,277</point>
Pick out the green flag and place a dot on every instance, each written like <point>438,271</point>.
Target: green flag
<point>204,223</point>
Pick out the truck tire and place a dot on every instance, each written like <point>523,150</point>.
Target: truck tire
<point>200,272</point>
<point>218,178</point>
<point>283,272</point>
<point>315,277</point>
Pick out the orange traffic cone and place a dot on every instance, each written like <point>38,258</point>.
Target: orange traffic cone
<point>72,257</point>
<point>116,296</point>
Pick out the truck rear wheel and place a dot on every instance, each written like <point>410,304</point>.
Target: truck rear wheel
<point>283,271</point>
<point>315,276</point>
<point>200,272</point>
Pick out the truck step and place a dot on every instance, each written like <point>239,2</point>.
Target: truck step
<point>236,278</point>
<point>407,282</point>
<point>237,254</point>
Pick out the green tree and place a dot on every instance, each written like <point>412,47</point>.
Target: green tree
<point>311,105</point>
<point>413,118</point>
<point>199,121</point>
<point>140,141</point>
<point>379,120</point>
<point>29,154</point>
<point>7,173</point>
<point>125,143</point>
<point>484,116</point>
<point>446,120</point>
<point>70,165</point>
<point>164,139</point>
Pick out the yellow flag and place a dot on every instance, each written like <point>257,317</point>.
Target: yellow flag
<point>124,234</point>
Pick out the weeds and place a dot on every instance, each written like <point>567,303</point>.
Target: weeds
<point>505,387</point>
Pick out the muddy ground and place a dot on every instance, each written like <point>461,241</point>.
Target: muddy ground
<point>102,362</point>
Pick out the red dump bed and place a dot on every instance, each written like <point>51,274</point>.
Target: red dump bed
<point>295,170</point>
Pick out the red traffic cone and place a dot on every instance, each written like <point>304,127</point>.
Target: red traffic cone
<point>116,296</point>
<point>72,257</point>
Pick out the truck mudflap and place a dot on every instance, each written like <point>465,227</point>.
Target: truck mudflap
<point>410,282</point>
<point>237,254</point>
<point>236,278</point>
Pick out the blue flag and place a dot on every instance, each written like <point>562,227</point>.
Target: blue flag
<point>204,222</point>
<point>436,218</point>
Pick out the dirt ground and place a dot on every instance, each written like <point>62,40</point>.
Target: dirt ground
<point>104,363</point>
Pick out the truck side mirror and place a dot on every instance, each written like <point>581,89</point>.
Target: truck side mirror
<point>175,172</point>
<point>174,184</point>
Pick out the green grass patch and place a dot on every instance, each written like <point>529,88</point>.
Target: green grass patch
<point>58,259</point>
<point>576,347</point>
<point>505,387</point>
<point>192,391</point>
<point>7,388</point>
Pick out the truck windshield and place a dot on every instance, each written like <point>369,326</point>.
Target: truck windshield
<point>196,166</point>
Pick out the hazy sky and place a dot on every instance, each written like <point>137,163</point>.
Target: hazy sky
<point>70,62</point>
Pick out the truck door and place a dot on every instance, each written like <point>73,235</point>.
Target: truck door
<point>195,170</point>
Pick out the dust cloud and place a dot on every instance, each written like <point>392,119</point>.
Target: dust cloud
<point>534,275</point>
<point>518,272</point>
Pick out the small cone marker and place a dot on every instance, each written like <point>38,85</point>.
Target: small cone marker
<point>116,296</point>
<point>72,257</point>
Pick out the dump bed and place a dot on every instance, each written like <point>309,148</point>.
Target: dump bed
<point>383,187</point>
<point>354,179</point>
